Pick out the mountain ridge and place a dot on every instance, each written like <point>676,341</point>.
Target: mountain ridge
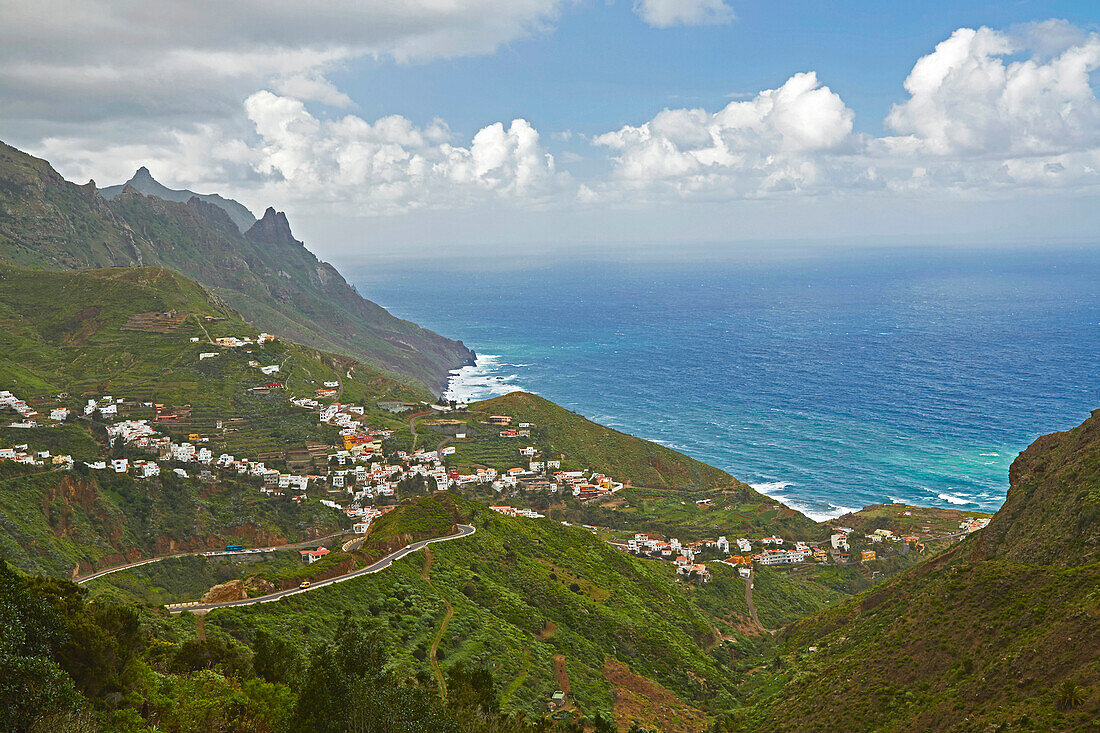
<point>143,182</point>
<point>47,222</point>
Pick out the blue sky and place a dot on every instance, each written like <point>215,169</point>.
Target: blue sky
<point>510,123</point>
<point>601,67</point>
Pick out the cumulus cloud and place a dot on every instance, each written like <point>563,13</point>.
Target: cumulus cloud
<point>772,141</point>
<point>987,111</point>
<point>669,13</point>
<point>389,165</point>
<point>984,112</point>
<point>965,99</point>
<point>313,88</point>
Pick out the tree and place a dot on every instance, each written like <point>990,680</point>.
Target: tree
<point>348,689</point>
<point>276,660</point>
<point>33,687</point>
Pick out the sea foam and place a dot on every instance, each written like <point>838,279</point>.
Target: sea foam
<point>482,380</point>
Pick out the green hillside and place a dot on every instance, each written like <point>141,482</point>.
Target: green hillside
<point>627,458</point>
<point>264,273</point>
<point>539,603</point>
<point>69,332</point>
<point>65,524</point>
<point>998,633</point>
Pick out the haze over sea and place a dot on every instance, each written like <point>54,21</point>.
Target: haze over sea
<point>828,380</point>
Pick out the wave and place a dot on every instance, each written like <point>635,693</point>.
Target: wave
<point>991,454</point>
<point>481,381</point>
<point>952,499</point>
<point>767,487</point>
<point>819,511</point>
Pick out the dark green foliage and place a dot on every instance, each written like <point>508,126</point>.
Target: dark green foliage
<point>33,686</point>
<point>276,660</point>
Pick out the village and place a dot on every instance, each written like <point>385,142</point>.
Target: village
<point>352,476</point>
<point>355,478</point>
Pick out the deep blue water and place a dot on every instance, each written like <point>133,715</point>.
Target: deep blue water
<point>830,381</point>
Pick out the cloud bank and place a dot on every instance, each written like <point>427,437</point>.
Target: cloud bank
<point>985,113</point>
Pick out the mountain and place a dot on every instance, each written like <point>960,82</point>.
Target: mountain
<point>143,182</point>
<point>1001,632</point>
<point>265,274</point>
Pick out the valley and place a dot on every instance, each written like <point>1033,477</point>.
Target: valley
<point>328,534</point>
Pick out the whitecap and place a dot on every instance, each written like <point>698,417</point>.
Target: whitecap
<point>769,487</point>
<point>481,380</point>
<point>952,499</point>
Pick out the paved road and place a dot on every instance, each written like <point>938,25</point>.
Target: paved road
<point>464,530</point>
<point>209,553</point>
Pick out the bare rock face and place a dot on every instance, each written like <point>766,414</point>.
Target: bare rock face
<point>273,228</point>
<point>236,590</point>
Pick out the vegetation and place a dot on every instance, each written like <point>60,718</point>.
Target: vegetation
<point>586,443</point>
<point>49,223</point>
<point>998,633</point>
<point>67,664</point>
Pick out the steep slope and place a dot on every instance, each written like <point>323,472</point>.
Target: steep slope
<point>143,182</point>
<point>49,223</point>
<point>1000,632</point>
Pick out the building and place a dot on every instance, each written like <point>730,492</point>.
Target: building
<point>866,555</point>
<point>500,420</point>
<point>312,556</point>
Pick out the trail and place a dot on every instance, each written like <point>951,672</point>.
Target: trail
<point>749,583</point>
<point>447,616</point>
<point>203,327</point>
<point>412,425</point>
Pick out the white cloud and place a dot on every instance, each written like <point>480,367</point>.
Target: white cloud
<point>390,165</point>
<point>191,61</point>
<point>988,112</point>
<point>669,13</point>
<point>770,142</point>
<point>966,100</point>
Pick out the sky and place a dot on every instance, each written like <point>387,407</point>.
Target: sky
<point>509,127</point>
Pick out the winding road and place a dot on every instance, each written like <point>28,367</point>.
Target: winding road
<point>464,530</point>
<point>209,553</point>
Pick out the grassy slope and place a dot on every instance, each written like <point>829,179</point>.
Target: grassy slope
<point>514,610</point>
<point>627,458</point>
<point>47,222</point>
<point>989,635</point>
<point>54,522</point>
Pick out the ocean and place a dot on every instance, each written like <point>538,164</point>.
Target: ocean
<point>827,379</point>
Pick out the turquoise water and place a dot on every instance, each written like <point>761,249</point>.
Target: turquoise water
<point>830,382</point>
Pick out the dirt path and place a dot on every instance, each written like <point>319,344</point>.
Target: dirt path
<point>447,616</point>
<point>198,319</point>
<point>749,583</point>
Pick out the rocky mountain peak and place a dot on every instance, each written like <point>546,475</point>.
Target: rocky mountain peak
<point>272,228</point>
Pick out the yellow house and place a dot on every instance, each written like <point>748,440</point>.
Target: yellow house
<point>866,555</point>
